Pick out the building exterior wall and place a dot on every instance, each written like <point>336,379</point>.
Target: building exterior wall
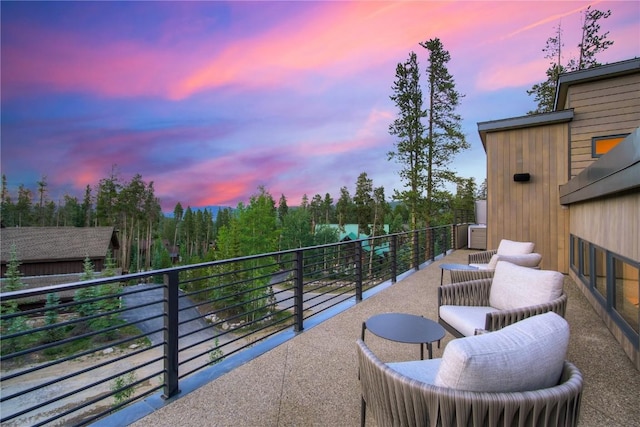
<point>602,108</point>
<point>612,223</point>
<point>529,211</point>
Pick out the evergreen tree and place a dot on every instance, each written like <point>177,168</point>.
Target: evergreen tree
<point>544,93</point>
<point>24,207</point>
<point>109,269</point>
<point>380,211</point>
<point>283,209</point>
<point>296,232</point>
<point>71,213</point>
<point>87,207</point>
<point>327,209</point>
<point>6,206</point>
<point>482,191</point>
<point>315,207</point>
<point>107,199</point>
<point>252,231</point>
<point>444,137</point>
<point>344,208</point>
<point>51,316</point>
<point>13,282</point>
<point>42,199</point>
<point>83,307</point>
<point>363,201</point>
<point>410,149</point>
<point>591,44</point>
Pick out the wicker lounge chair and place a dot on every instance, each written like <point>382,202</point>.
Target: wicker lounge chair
<point>395,397</point>
<point>506,247</point>
<point>519,253</point>
<point>485,271</point>
<point>513,294</point>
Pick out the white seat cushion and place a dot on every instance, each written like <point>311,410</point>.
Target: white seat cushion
<point>526,260</point>
<point>465,319</point>
<point>480,266</point>
<point>421,370</point>
<point>510,247</point>
<point>527,355</point>
<point>514,286</point>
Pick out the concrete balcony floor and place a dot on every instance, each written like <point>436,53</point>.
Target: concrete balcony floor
<point>311,380</point>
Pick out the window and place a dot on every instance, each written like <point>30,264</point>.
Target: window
<point>575,253</point>
<point>602,144</point>
<point>613,280</point>
<point>600,261</point>
<point>627,289</point>
<point>585,269</point>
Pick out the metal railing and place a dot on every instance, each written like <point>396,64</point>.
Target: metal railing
<point>117,340</point>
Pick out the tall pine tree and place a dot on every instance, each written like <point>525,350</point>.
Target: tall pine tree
<point>591,44</point>
<point>444,138</point>
<point>408,128</point>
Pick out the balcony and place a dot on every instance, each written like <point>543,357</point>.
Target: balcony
<point>311,380</point>
<point>305,372</point>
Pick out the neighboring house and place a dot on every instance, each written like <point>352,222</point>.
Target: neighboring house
<point>350,231</point>
<point>45,251</point>
<point>569,181</point>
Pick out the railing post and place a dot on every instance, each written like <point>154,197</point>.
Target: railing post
<point>416,250</point>
<point>170,387</point>
<point>432,243</point>
<point>298,292</point>
<point>454,236</point>
<point>393,250</point>
<point>358,256</point>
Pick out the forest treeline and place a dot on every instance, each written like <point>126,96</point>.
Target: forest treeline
<point>149,239</point>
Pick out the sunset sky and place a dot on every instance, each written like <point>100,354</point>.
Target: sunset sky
<point>210,100</point>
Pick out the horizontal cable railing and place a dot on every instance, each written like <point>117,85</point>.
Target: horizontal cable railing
<point>72,361</point>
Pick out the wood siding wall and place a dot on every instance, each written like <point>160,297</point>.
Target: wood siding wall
<point>603,108</point>
<point>46,268</point>
<point>612,223</point>
<point>529,211</point>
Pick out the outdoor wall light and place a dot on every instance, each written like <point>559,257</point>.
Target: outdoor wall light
<point>522,177</point>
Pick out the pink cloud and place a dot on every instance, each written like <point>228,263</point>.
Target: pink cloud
<point>335,38</point>
<point>65,62</point>
<point>338,39</point>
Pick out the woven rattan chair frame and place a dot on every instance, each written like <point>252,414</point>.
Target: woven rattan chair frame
<point>397,400</point>
<point>458,276</point>
<point>476,293</point>
<point>482,257</point>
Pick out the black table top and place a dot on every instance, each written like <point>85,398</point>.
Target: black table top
<point>406,328</point>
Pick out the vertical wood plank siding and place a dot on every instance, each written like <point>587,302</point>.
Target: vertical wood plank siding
<point>602,108</point>
<point>529,211</point>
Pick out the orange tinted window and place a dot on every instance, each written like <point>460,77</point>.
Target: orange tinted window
<point>603,145</point>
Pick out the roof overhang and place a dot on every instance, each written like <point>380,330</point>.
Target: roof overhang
<point>522,122</point>
<point>600,72</point>
<point>617,171</point>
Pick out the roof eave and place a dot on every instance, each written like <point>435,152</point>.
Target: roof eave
<point>592,74</point>
<point>521,122</point>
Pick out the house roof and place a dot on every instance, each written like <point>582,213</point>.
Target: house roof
<point>350,231</point>
<point>35,244</point>
<point>600,72</point>
<point>532,120</point>
<point>564,82</point>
